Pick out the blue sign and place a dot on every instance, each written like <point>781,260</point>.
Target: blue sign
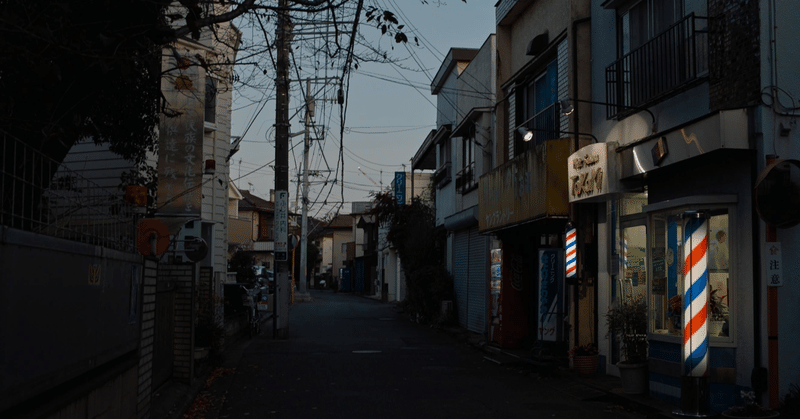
<point>400,187</point>
<point>551,294</point>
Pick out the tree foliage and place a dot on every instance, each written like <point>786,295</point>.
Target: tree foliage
<point>421,248</point>
<point>73,70</point>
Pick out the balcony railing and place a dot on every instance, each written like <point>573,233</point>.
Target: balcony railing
<point>465,179</point>
<point>675,58</point>
<point>442,175</point>
<point>544,125</point>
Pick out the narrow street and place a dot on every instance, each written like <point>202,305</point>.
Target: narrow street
<point>349,356</point>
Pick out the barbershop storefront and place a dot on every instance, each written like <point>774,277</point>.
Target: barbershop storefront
<point>645,192</point>
<point>523,203</point>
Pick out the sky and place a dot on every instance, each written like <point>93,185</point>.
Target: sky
<point>389,112</point>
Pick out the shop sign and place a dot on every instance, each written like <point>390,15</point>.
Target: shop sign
<point>400,187</point>
<point>180,143</point>
<point>531,186</point>
<point>589,172</point>
<point>551,295</point>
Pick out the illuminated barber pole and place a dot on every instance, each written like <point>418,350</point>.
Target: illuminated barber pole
<point>694,383</point>
<point>625,253</point>
<point>695,295</point>
<point>572,252</point>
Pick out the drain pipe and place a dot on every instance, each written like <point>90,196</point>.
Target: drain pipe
<point>575,212</point>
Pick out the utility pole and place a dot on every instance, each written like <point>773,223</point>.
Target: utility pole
<point>281,299</point>
<point>302,288</point>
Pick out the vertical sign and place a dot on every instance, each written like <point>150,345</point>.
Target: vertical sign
<point>180,142</point>
<point>550,294</point>
<point>281,226</point>
<point>774,268</point>
<point>400,187</point>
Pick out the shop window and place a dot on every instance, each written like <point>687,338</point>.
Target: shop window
<point>666,291</point>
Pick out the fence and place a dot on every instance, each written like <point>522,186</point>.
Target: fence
<point>660,67</point>
<point>41,195</point>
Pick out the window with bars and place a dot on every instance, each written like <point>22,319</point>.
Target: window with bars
<point>537,109</point>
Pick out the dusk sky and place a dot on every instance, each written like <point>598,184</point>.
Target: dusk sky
<point>390,108</point>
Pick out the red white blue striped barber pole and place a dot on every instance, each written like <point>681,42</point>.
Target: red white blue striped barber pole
<point>695,296</point>
<point>572,252</point>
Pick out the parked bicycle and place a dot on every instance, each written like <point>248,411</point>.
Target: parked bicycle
<point>250,301</point>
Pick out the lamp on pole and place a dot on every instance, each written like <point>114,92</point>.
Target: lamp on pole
<point>566,107</point>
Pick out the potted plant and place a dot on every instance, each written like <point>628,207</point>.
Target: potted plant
<point>585,358</point>
<point>628,322</point>
<point>750,409</point>
<point>717,312</point>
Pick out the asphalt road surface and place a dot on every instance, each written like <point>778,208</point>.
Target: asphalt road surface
<point>353,357</point>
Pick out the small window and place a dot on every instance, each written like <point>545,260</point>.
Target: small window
<point>211,99</point>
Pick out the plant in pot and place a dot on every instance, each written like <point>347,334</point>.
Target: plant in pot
<point>585,358</point>
<point>717,311</point>
<point>628,322</point>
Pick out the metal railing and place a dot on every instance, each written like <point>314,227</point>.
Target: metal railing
<point>43,196</point>
<point>465,179</point>
<point>545,125</point>
<point>660,67</point>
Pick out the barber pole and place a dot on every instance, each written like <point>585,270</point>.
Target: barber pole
<point>695,297</point>
<point>572,252</point>
<point>694,384</point>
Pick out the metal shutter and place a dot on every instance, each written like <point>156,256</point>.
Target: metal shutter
<point>478,254</point>
<point>461,273</point>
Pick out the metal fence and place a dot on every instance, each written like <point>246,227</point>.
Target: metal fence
<point>43,196</point>
<point>660,67</point>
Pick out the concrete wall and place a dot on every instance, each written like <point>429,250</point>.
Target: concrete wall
<point>780,64</point>
<point>85,294</point>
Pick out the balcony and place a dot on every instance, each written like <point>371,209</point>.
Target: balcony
<point>545,125</point>
<point>465,179</point>
<point>442,175</point>
<point>675,59</point>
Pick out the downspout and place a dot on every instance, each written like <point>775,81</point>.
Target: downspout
<point>575,213</point>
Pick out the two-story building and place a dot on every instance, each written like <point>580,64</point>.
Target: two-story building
<point>460,150</point>
<point>523,200</point>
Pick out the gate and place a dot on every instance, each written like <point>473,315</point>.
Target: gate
<point>164,333</point>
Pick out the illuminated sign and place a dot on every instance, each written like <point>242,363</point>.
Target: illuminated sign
<point>592,173</point>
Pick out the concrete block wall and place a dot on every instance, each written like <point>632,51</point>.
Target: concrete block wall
<point>183,356</point>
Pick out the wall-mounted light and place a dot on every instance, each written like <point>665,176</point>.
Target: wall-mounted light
<point>526,134</point>
<point>566,107</point>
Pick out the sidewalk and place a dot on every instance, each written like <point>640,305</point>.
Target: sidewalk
<point>582,387</point>
<point>173,399</point>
